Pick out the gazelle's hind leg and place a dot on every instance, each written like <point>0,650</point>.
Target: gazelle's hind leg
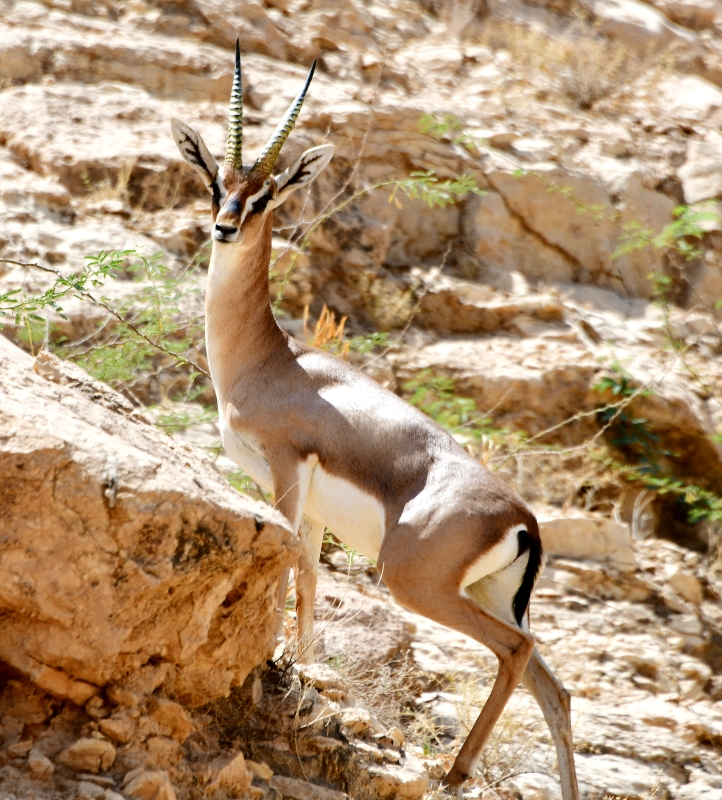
<point>494,593</point>
<point>553,699</point>
<point>443,603</point>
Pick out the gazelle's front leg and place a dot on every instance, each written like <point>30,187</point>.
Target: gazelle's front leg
<point>291,483</point>
<point>311,535</point>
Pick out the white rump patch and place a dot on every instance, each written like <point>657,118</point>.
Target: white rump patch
<point>497,558</point>
<point>496,592</point>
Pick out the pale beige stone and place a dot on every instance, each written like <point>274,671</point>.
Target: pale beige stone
<point>701,174</point>
<point>88,755</point>
<point>449,305</point>
<point>408,781</point>
<point>149,785</point>
<point>260,770</point>
<point>172,719</point>
<point>687,586</point>
<point>19,749</point>
<point>162,608</point>
<point>589,537</point>
<point>360,720</point>
<point>320,676</point>
<point>120,727</point>
<point>40,765</point>
<point>230,776</point>
<point>90,791</point>
<point>690,99</point>
<point>304,790</point>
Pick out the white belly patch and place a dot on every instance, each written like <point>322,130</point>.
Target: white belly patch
<point>354,517</point>
<point>501,555</point>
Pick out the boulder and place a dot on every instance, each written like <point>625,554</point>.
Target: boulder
<point>230,777</point>
<point>303,790</point>
<point>588,537</point>
<point>88,755</point>
<point>574,238</point>
<point>148,785</point>
<point>533,384</point>
<point>501,240</point>
<point>133,549</point>
<point>701,173</point>
<point>690,99</point>
<point>637,25</point>
<point>450,305</point>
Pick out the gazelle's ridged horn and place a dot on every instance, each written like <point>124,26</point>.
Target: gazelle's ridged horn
<point>264,162</point>
<point>235,117</point>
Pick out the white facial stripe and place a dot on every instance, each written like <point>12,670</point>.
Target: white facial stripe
<point>221,188</point>
<point>252,199</point>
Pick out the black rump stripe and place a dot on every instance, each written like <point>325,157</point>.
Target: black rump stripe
<point>530,540</point>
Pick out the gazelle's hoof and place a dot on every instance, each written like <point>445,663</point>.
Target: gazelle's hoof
<point>453,782</point>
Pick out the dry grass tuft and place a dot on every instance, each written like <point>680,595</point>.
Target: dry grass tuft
<point>575,65</point>
<point>327,334</point>
<point>112,189</point>
<point>388,691</point>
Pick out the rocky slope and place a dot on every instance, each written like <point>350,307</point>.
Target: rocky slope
<point>583,125</point>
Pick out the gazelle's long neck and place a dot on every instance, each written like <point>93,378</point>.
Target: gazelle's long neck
<point>241,331</point>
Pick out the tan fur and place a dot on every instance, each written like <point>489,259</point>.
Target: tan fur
<point>310,414</point>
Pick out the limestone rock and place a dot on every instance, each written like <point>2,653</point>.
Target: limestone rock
<point>119,727</point>
<point>303,790</point>
<point>501,240</point>
<point>588,537</point>
<point>408,781</point>
<point>90,791</point>
<point>691,99</point>
<point>39,765</point>
<point>320,676</point>
<point>230,777</point>
<point>361,629</point>
<point>616,776</point>
<point>88,755</point>
<point>701,174</point>
<point>449,305</point>
<point>261,771</point>
<point>148,785</point>
<point>638,25</point>
<point>357,721</point>
<point>557,226</point>
<point>687,586</point>
<point>168,572</point>
<point>172,719</point>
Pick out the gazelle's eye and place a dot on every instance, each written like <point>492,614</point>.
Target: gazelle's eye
<point>260,204</point>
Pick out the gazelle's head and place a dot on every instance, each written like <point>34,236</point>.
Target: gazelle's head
<point>245,196</point>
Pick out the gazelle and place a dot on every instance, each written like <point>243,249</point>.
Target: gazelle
<point>452,540</point>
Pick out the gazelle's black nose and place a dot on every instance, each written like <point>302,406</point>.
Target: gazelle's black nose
<point>224,233</point>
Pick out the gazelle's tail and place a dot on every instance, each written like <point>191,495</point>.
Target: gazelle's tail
<point>529,540</point>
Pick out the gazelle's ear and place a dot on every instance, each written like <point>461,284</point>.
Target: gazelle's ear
<point>194,151</point>
<point>301,172</point>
